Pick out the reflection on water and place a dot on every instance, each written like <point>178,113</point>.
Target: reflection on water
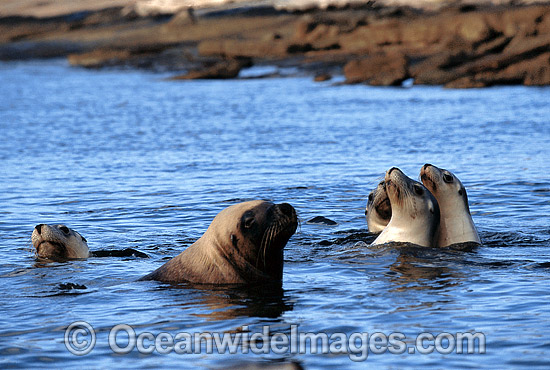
<point>223,303</point>
<point>139,164</point>
<point>418,273</point>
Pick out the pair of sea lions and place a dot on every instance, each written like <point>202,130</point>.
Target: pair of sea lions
<point>432,214</point>
<point>243,244</point>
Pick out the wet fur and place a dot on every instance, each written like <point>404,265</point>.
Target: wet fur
<point>58,243</point>
<point>456,224</point>
<point>378,211</point>
<point>243,244</point>
<point>415,218</point>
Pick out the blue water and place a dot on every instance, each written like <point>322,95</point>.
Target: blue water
<point>131,160</point>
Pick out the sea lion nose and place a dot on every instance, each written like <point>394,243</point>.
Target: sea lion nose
<point>286,209</point>
<point>426,166</point>
<point>39,228</point>
<point>391,170</point>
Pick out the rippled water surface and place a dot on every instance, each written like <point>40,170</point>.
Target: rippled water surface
<point>133,161</point>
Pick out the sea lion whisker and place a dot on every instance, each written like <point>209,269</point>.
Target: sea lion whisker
<point>263,244</point>
<point>272,233</point>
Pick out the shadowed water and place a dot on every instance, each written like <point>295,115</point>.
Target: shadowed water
<point>132,161</point>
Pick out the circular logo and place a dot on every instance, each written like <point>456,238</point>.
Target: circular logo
<point>80,338</point>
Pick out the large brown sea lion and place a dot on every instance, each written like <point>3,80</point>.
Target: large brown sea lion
<point>243,244</point>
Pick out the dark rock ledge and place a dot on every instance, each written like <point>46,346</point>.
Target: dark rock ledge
<point>459,47</point>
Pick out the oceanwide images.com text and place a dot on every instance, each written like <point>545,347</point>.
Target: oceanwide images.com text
<point>80,339</point>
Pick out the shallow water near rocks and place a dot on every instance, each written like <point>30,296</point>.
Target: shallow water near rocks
<point>133,161</point>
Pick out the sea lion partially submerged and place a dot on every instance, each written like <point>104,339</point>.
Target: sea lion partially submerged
<point>378,211</point>
<point>415,212</point>
<point>243,244</point>
<point>59,243</point>
<point>456,225</point>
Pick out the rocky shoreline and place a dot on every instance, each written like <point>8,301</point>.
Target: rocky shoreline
<point>458,46</point>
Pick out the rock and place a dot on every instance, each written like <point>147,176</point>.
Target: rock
<point>420,33</point>
<point>473,28</point>
<point>532,72</point>
<point>539,73</point>
<point>183,18</point>
<point>380,70</point>
<point>322,37</point>
<point>467,82</point>
<point>303,26</point>
<point>98,58</point>
<point>516,20</point>
<point>243,48</point>
<point>544,25</point>
<point>321,220</point>
<point>322,77</point>
<point>221,70</point>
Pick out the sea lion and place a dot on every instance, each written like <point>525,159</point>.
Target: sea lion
<point>59,243</point>
<point>243,244</point>
<point>378,211</point>
<point>415,212</point>
<point>456,225</point>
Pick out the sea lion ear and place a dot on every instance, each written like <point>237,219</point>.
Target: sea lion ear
<point>248,220</point>
<point>461,191</point>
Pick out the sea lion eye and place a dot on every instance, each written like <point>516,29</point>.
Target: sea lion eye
<point>418,190</point>
<point>65,229</point>
<point>447,178</point>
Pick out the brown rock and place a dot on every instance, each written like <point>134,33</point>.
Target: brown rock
<point>222,70</point>
<point>243,48</point>
<point>183,18</point>
<point>534,71</point>
<point>323,36</point>
<point>421,32</point>
<point>322,77</point>
<point>99,58</point>
<point>487,61</point>
<point>544,25</point>
<point>433,70</point>
<point>468,82</point>
<point>357,41</point>
<point>379,70</point>
<point>474,28</point>
<point>513,21</point>
<point>303,26</point>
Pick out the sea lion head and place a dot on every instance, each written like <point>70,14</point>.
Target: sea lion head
<point>456,224</point>
<point>446,187</point>
<point>378,211</point>
<point>415,212</point>
<point>252,235</point>
<point>58,243</point>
